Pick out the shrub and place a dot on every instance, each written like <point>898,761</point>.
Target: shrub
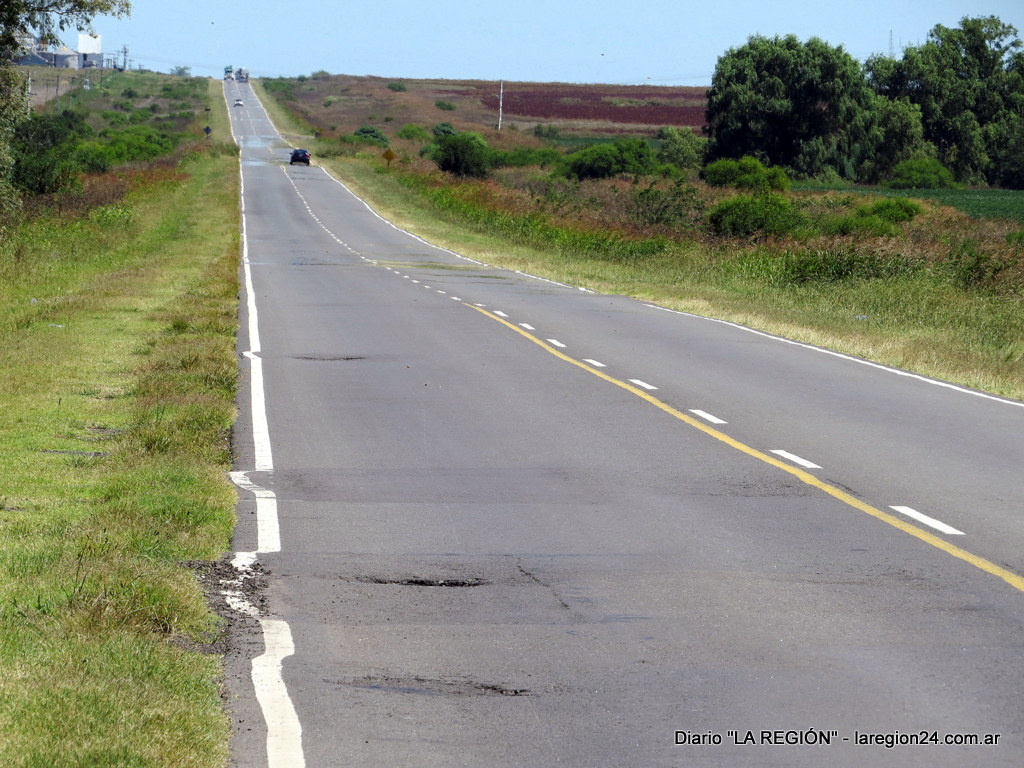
<point>93,157</point>
<point>371,135</point>
<point>681,147</point>
<point>547,132</point>
<point>465,154</point>
<point>595,162</point>
<point>397,87</point>
<point>444,129</point>
<point>601,161</point>
<point>678,206</point>
<point>921,173</point>
<point>745,173</point>
<point>445,105</point>
<point>413,132</point>
<point>827,265</point>
<point>745,215</point>
<point>894,209</point>
<point>855,224</point>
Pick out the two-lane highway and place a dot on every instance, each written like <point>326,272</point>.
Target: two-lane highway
<point>506,522</point>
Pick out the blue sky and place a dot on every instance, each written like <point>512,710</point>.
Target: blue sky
<point>660,42</point>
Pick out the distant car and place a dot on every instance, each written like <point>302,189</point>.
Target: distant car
<point>239,103</point>
<point>299,156</point>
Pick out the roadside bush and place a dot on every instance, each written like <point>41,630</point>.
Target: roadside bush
<point>397,87</point>
<point>546,132</point>
<point>819,265</point>
<point>465,154</point>
<point>371,135</point>
<point>921,173</point>
<point>681,147</point>
<point>745,215</point>
<point>525,156</point>
<point>93,157</point>
<point>745,173</point>
<point>678,206</point>
<point>137,142</point>
<point>447,106</point>
<point>444,129</point>
<point>602,161</point>
<point>880,219</point>
<point>894,209</point>
<point>413,132</point>
<point>599,161</point>
<point>854,224</point>
<point>282,89</point>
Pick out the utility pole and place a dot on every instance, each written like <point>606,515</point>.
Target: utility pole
<point>501,101</point>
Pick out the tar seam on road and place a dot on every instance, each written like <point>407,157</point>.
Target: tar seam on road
<point>1013,579</point>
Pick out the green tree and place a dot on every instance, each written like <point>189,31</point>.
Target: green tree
<point>464,154</point>
<point>44,18</point>
<point>802,106</point>
<point>681,147</point>
<point>968,83</point>
<point>13,111</point>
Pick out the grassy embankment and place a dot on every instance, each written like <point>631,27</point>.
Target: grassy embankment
<point>117,335</point>
<point>943,297</point>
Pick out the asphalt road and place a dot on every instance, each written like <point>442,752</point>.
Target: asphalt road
<point>519,524</point>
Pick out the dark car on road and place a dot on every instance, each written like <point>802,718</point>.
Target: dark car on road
<point>299,156</point>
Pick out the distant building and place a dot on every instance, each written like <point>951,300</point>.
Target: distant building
<point>35,52</point>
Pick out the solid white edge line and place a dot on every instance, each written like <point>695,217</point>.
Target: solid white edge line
<point>284,731</point>
<point>268,534</point>
<point>931,521</point>
<point>842,356</point>
<point>796,459</point>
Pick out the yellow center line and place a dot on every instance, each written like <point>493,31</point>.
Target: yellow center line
<point>988,566</point>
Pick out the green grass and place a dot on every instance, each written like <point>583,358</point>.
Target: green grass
<point>117,335</point>
<point>979,203</point>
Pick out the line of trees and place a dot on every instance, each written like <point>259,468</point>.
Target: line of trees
<point>44,18</point>
<point>955,102</point>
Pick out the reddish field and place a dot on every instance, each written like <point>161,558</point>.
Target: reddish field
<point>339,104</point>
<point>631,104</point>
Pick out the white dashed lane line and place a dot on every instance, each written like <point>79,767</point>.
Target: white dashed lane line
<point>707,416</point>
<point>796,459</point>
<point>643,384</point>
<point>929,521</point>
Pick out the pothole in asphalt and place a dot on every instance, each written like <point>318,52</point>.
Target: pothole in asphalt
<point>420,582</point>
